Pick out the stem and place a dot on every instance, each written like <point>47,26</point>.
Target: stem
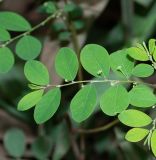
<point>55,15</point>
<point>74,145</point>
<point>99,129</point>
<point>98,81</point>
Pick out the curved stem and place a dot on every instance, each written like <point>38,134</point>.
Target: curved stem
<point>99,129</point>
<point>55,15</point>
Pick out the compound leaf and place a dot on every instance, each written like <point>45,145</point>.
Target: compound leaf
<point>83,103</point>
<point>47,106</point>
<point>66,64</point>
<point>134,118</point>
<point>114,100</point>
<point>36,72</point>
<point>28,48</point>
<point>95,60</point>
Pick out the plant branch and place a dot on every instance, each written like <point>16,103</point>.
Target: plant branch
<point>99,129</point>
<point>55,15</point>
<point>112,82</point>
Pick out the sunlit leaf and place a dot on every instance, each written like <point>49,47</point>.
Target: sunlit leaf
<point>153,142</point>
<point>142,96</point>
<point>143,70</point>
<point>36,72</point>
<point>138,54</point>
<point>136,134</point>
<point>30,100</point>
<point>134,118</point>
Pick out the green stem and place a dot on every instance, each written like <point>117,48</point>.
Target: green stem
<point>55,15</point>
<point>99,81</point>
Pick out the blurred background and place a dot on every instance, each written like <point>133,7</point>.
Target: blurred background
<point>114,24</point>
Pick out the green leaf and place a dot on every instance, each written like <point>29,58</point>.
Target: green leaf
<point>64,36</point>
<point>83,103</point>
<point>41,147</point>
<point>47,106</point>
<point>142,96</point>
<point>66,64</point>
<point>4,35</point>
<point>36,72</point>
<point>95,60</point>
<point>49,7</point>
<point>28,48</point>
<point>60,136</point>
<point>114,100</point>
<point>15,142</point>
<point>30,100</point>
<point>121,63</point>
<point>6,59</point>
<point>13,22</point>
<point>134,118</point>
<point>152,46</point>
<point>143,70</point>
<point>59,26</point>
<point>138,53</point>
<point>153,142</point>
<point>136,134</point>
<point>79,24</point>
<point>69,7</point>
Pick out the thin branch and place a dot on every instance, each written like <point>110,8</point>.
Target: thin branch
<point>99,129</point>
<point>55,15</point>
<point>112,82</point>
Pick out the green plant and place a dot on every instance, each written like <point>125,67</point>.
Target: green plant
<point>128,64</point>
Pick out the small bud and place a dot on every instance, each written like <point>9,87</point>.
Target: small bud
<point>66,80</point>
<point>153,107</point>
<point>113,83</point>
<point>99,72</point>
<point>119,68</point>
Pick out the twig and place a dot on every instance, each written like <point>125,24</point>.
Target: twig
<point>55,15</point>
<point>99,129</point>
<point>112,82</point>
